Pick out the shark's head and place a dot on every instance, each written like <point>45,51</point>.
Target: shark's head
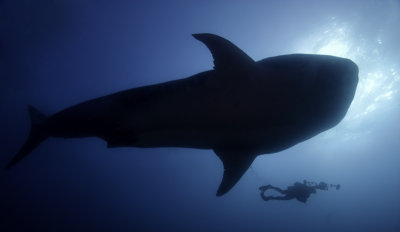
<point>334,86</point>
<point>336,75</point>
<point>314,88</point>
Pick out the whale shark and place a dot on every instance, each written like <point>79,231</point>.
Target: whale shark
<point>240,109</point>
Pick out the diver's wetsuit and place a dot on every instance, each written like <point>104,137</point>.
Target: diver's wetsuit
<point>299,191</point>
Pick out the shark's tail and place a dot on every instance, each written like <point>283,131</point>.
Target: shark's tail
<point>37,135</point>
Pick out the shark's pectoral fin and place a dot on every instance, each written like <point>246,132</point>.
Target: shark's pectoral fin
<point>236,162</point>
<point>227,57</point>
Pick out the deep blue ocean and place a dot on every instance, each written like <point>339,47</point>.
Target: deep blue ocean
<point>58,53</point>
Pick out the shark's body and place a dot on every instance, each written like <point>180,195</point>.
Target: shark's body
<point>240,109</point>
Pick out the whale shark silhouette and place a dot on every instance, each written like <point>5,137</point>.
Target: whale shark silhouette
<point>240,109</point>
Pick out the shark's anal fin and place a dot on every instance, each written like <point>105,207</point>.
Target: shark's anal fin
<point>227,57</point>
<point>236,162</point>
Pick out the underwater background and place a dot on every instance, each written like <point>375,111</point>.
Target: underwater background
<point>55,54</point>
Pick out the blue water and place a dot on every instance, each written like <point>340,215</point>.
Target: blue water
<point>54,54</point>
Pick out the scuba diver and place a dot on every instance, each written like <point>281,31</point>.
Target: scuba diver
<point>300,191</point>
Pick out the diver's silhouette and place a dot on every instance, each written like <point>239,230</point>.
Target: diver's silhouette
<point>300,191</point>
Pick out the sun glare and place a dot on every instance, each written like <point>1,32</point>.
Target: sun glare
<point>378,78</point>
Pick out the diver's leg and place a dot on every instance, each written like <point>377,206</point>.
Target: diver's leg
<point>284,198</point>
<point>264,197</point>
<point>278,189</point>
<point>264,188</point>
<point>267,198</point>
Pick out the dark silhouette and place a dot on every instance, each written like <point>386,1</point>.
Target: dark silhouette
<point>300,191</point>
<point>240,109</point>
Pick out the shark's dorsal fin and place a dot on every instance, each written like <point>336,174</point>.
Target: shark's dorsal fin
<point>236,162</point>
<point>227,57</point>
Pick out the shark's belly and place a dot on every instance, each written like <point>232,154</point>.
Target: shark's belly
<point>200,116</point>
<point>259,140</point>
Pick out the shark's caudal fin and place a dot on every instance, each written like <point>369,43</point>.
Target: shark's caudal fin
<point>36,136</point>
<point>236,162</point>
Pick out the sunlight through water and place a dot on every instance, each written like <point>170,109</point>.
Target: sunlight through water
<point>378,77</point>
